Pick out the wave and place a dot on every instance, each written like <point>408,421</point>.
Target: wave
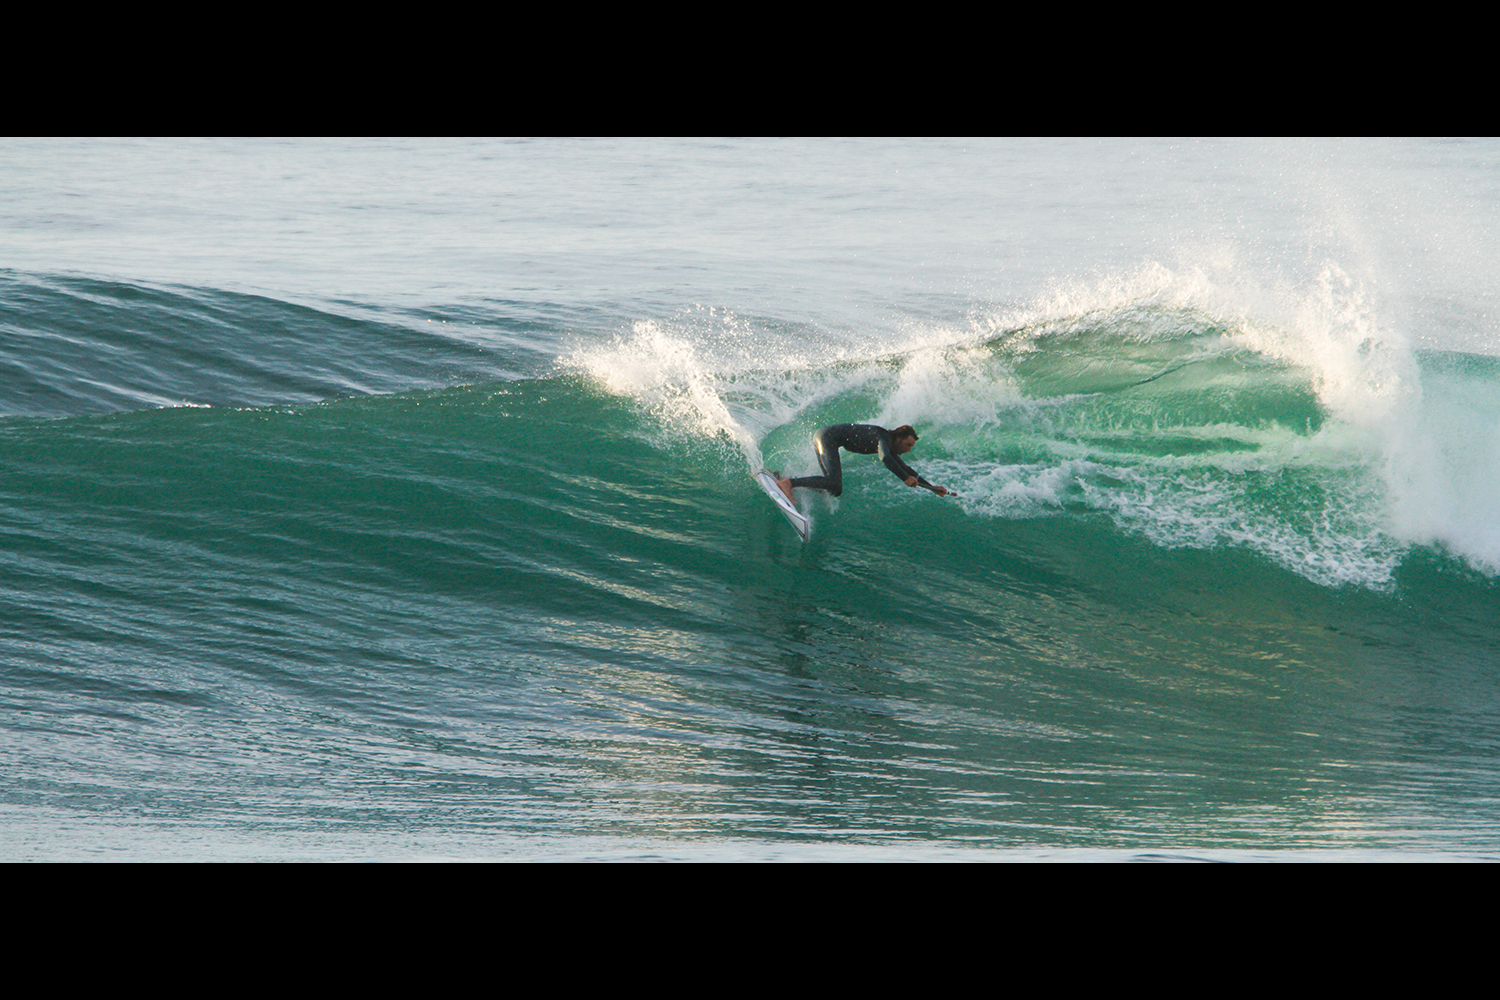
<point>1317,438</point>
<point>1162,405</point>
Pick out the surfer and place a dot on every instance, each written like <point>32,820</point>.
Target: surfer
<point>861,439</point>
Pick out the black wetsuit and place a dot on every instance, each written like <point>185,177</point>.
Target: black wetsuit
<point>862,439</point>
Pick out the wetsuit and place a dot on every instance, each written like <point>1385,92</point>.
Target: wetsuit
<point>861,439</point>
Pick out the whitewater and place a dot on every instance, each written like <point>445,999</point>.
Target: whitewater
<point>392,500</point>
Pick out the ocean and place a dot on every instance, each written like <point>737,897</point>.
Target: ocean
<point>372,499</point>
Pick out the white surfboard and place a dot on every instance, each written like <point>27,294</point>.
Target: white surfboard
<point>768,483</point>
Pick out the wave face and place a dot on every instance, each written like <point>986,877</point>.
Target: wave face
<point>298,576</point>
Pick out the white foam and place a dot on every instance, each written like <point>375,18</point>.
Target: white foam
<point>1442,463</point>
<point>667,375</point>
<point>1429,464</point>
<point>949,386</point>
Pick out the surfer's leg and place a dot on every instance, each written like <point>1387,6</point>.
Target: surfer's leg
<point>828,459</point>
<point>832,479</point>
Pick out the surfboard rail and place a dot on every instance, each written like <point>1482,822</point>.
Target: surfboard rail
<point>799,521</point>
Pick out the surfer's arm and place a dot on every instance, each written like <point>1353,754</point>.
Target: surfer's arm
<point>904,472</point>
<point>892,461</point>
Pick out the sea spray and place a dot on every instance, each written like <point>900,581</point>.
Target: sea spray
<point>667,376</point>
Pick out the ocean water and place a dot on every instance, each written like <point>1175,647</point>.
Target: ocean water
<point>391,500</point>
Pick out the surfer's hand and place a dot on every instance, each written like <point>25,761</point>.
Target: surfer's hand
<point>940,491</point>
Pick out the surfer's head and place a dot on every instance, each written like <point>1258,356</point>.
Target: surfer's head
<point>903,438</point>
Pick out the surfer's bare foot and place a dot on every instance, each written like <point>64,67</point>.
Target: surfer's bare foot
<point>786,487</point>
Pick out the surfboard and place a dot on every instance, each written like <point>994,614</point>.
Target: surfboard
<point>768,483</point>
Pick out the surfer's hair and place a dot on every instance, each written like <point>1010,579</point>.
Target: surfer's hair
<point>904,431</point>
